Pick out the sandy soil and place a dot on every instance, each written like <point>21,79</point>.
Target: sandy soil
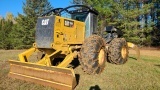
<point>147,51</point>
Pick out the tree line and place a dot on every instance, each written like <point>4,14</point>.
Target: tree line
<point>125,15</point>
<point>19,32</point>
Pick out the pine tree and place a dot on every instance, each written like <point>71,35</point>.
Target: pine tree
<point>124,15</point>
<point>25,26</point>
<point>35,8</point>
<point>78,2</point>
<point>103,7</point>
<point>156,31</point>
<point>127,21</point>
<point>5,31</point>
<point>18,33</point>
<point>1,33</point>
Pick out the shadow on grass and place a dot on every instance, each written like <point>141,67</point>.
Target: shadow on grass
<point>96,87</point>
<point>133,58</point>
<point>157,65</point>
<point>77,78</point>
<point>75,63</point>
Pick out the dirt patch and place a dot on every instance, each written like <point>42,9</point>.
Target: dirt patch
<point>150,48</point>
<point>147,51</point>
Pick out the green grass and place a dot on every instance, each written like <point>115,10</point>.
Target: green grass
<point>143,74</point>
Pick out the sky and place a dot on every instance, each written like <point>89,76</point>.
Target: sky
<point>15,6</point>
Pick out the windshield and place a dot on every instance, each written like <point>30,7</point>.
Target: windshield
<point>79,16</point>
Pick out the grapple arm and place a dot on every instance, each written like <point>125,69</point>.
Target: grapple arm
<point>135,47</point>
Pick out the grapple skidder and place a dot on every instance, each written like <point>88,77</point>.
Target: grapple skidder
<point>62,38</point>
<point>58,41</point>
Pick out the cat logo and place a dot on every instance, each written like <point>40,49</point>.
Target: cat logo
<point>45,21</point>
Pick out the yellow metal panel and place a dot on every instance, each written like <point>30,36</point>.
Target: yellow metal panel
<point>25,55</point>
<point>56,77</point>
<point>130,44</point>
<point>58,31</point>
<point>80,31</point>
<point>68,59</point>
<point>64,34</point>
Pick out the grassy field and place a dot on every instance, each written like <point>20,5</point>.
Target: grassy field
<point>143,74</point>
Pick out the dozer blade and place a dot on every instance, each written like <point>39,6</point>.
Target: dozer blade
<point>58,78</point>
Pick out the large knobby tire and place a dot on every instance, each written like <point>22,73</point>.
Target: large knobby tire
<point>118,51</point>
<point>92,55</point>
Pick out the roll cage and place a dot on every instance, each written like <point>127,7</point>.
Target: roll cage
<point>81,9</point>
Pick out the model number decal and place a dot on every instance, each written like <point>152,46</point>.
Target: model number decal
<point>45,21</point>
<point>68,23</point>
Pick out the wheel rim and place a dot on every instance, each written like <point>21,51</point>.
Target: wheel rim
<point>101,57</point>
<point>124,52</point>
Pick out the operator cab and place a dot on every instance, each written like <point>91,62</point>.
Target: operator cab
<point>90,20</point>
<point>81,13</point>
